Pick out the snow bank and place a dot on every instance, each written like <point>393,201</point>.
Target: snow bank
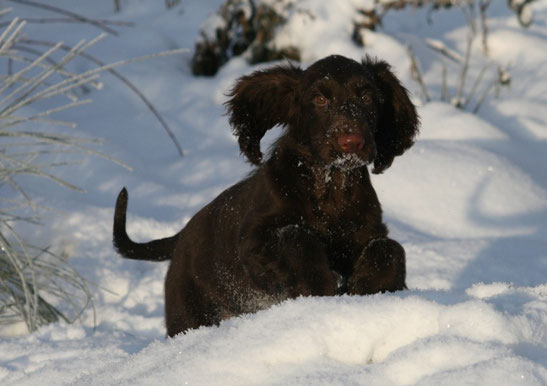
<point>382,339</point>
<point>467,191</point>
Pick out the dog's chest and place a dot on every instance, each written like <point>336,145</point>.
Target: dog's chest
<point>337,193</point>
<point>335,204</point>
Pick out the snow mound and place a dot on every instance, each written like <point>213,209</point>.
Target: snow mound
<point>351,340</point>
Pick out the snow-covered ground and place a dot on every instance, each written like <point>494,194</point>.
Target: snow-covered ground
<point>468,202</point>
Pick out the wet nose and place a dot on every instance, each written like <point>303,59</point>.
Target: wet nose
<point>351,143</point>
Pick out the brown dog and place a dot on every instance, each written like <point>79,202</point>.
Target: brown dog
<point>307,220</point>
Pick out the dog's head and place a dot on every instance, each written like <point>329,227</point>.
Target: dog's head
<point>336,107</point>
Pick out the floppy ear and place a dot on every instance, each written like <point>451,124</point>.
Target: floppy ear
<point>398,121</point>
<point>259,102</point>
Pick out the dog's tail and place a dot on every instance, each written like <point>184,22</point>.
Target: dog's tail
<point>157,250</point>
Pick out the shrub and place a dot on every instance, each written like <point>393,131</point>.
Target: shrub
<point>37,286</point>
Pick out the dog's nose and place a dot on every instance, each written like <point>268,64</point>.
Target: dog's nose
<point>351,143</point>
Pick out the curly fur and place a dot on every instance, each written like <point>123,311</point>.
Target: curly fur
<point>307,220</point>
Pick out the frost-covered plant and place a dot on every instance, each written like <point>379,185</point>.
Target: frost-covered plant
<point>249,27</point>
<point>242,27</point>
<point>36,286</point>
<point>32,279</point>
<point>523,9</point>
<point>461,95</point>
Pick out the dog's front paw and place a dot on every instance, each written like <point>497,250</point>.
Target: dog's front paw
<point>303,257</point>
<point>380,268</point>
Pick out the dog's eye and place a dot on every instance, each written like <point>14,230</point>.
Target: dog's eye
<point>320,100</point>
<point>366,98</point>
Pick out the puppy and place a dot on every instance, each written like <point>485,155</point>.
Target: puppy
<point>306,221</point>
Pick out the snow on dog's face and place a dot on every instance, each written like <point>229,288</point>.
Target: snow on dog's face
<point>342,103</point>
<point>335,108</point>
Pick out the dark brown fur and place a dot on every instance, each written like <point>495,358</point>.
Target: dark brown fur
<point>307,221</point>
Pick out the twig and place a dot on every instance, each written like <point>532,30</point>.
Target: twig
<point>93,72</point>
<point>22,48</point>
<point>14,122</point>
<point>444,86</point>
<point>52,20</point>
<point>30,298</point>
<point>15,78</point>
<point>417,73</point>
<point>27,97</point>
<point>440,47</point>
<point>67,13</point>
<point>14,184</point>
<point>61,71</point>
<point>32,51</point>
<point>6,41</point>
<point>463,75</point>
<point>20,291</point>
<point>484,95</point>
<point>469,14</point>
<point>483,6</point>
<point>475,85</point>
<point>62,141</point>
<point>33,170</point>
<point>6,32</point>
<point>124,80</point>
<point>5,11</point>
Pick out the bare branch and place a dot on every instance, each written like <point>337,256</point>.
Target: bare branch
<point>441,48</point>
<point>458,100</point>
<point>71,14</point>
<point>444,87</point>
<point>53,20</point>
<point>483,6</point>
<point>475,85</point>
<point>416,72</point>
<point>124,80</point>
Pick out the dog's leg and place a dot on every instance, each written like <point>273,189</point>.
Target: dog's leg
<point>380,268</point>
<point>292,263</point>
<point>186,305</point>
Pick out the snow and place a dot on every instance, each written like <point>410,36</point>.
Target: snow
<point>468,202</point>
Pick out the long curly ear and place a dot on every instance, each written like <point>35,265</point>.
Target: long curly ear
<point>259,102</point>
<point>398,122</point>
